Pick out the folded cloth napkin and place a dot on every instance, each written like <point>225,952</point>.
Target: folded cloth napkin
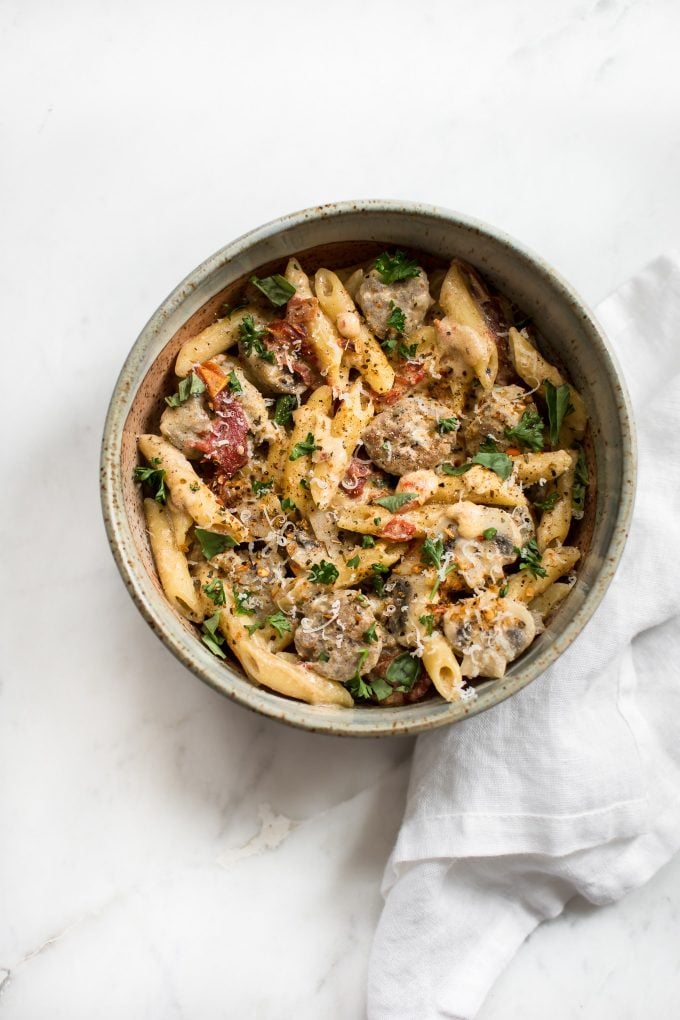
<point>573,785</point>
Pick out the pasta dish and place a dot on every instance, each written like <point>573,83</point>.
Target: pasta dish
<point>365,483</point>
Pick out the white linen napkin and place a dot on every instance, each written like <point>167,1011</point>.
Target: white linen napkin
<point>572,785</point>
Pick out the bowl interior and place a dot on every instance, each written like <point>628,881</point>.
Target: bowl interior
<point>341,236</point>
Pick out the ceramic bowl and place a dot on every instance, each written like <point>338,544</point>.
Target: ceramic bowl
<point>337,235</point>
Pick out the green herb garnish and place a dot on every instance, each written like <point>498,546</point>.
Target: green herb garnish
<point>212,544</point>
<point>432,554</point>
<point>370,634</point>
<point>209,636</point>
<point>396,500</point>
<point>581,480</point>
<point>283,411</point>
<point>396,267</point>
<point>367,541</point>
<point>557,400</point>
<point>287,504</point>
<point>396,319</point>
<point>259,488</point>
<point>445,425</point>
<point>301,449</point>
<point>528,431</point>
<point>276,288</point>
<point>189,387</point>
<point>403,672</point>
<point>241,602</point>
<point>428,623</point>
<point>530,559</point>
<point>280,623</point>
<point>251,336</point>
<point>354,562</point>
<point>234,384</point>
<point>489,533</point>
<point>548,503</point>
<point>215,592</point>
<point>155,478</point>
<point>252,627</point>
<point>323,572</point>
<point>379,572</point>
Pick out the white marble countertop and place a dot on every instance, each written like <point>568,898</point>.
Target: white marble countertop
<point>164,853</point>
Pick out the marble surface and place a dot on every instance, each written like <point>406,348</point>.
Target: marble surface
<point>163,853</point>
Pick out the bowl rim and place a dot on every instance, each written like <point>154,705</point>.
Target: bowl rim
<point>220,675</point>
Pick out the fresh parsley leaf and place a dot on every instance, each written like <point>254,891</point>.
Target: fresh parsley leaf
<point>432,552</point>
<point>304,484</point>
<point>396,267</point>
<point>557,400</point>
<point>379,572</point>
<point>449,469</point>
<point>241,599</point>
<point>381,689</point>
<point>498,462</point>
<point>503,592</point>
<point>370,634</point>
<point>234,384</point>
<point>189,386</point>
<point>377,521</point>
<point>428,623</point>
<point>323,657</point>
<point>367,541</point>
<point>354,562</point>
<point>356,685</point>
<point>323,572</point>
<point>581,480</point>
<point>227,310</point>
<point>287,504</point>
<point>209,636</point>
<point>403,672</point>
<point>259,488</point>
<point>212,544</point>
<point>301,449</point>
<point>283,412</point>
<point>276,288</point>
<point>252,627</point>
<point>251,337</point>
<point>548,503</point>
<point>489,533</point>
<point>528,431</point>
<point>389,345</point>
<point>396,500</point>
<point>215,592</point>
<point>407,351</point>
<point>396,319</point>
<point>155,478</point>
<point>445,425</point>
<point>280,623</point>
<point>530,559</point>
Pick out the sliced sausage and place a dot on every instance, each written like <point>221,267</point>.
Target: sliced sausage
<point>334,635</point>
<point>377,301</point>
<point>408,435</point>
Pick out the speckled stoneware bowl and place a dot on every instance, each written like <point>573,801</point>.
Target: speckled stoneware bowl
<point>336,235</point>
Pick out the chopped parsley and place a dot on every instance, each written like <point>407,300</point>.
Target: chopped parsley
<point>354,562</point>
<point>370,634</point>
<point>548,503</point>
<point>449,469</point>
<point>396,267</point>
<point>445,425</point>
<point>432,554</point>
<point>492,459</point>
<point>304,484</point>
<point>557,399</point>
<point>211,543</point>
<point>323,657</point>
<point>276,288</point>
<point>403,672</point>
<point>503,592</point>
<point>428,623</point>
<point>215,592</point>
<point>396,319</point>
<point>189,387</point>
<point>367,541</point>
<point>301,449</point>
<point>154,478</point>
<point>280,623</point>
<point>252,627</point>
<point>234,384</point>
<point>323,572</point>
<point>396,500</point>
<point>528,431</point>
<point>286,503</point>
<point>356,685</point>
<point>379,572</point>
<point>283,411</point>
<point>489,533</point>
<point>209,636</point>
<point>405,351</point>
<point>251,337</point>
<point>241,599</point>
<point>259,488</point>
<point>581,480</point>
<point>530,559</point>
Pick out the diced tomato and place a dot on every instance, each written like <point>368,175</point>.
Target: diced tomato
<point>412,373</point>
<point>355,477</point>
<point>398,530</point>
